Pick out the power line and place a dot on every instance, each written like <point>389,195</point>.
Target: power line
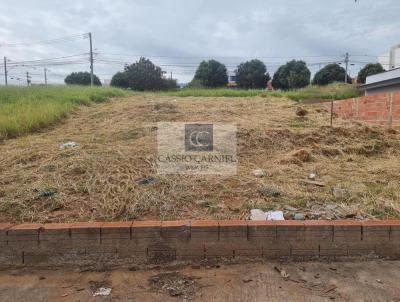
<point>50,41</point>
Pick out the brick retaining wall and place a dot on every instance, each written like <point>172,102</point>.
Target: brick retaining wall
<point>144,242</point>
<point>380,109</point>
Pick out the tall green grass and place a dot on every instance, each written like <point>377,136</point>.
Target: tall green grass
<point>216,92</point>
<point>337,91</point>
<point>26,109</point>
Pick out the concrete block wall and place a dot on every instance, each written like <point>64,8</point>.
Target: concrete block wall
<point>145,242</point>
<point>380,109</point>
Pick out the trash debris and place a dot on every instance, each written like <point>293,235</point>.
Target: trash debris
<point>175,284</point>
<point>68,145</point>
<point>102,288</point>
<point>275,215</point>
<point>268,191</point>
<point>258,173</point>
<point>48,192</point>
<point>102,291</point>
<point>283,273</point>
<point>247,280</point>
<point>146,180</point>
<point>312,176</point>
<point>257,214</point>
<point>379,281</point>
<point>299,216</point>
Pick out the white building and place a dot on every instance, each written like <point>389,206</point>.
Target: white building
<point>391,59</point>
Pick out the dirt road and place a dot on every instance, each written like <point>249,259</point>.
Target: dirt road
<point>308,281</point>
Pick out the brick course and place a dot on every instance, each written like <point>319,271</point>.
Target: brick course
<point>380,109</point>
<point>156,242</point>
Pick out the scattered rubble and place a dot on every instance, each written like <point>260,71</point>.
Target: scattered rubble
<point>299,216</point>
<point>275,215</point>
<point>100,288</point>
<point>174,284</point>
<point>102,291</point>
<point>257,214</point>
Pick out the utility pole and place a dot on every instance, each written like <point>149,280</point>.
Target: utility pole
<point>27,78</point>
<point>5,71</point>
<point>171,75</point>
<point>45,76</point>
<point>346,60</point>
<point>91,59</point>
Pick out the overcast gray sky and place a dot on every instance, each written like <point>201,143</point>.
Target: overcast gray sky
<point>177,34</point>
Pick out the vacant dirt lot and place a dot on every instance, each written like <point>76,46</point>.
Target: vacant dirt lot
<point>117,146</point>
<point>310,281</point>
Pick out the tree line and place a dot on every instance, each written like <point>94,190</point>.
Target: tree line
<point>144,75</point>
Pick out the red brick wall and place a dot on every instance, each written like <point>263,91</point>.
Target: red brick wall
<point>380,109</point>
<point>79,244</point>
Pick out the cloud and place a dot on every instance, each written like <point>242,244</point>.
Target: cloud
<point>178,34</point>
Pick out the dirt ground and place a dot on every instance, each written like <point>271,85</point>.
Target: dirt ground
<point>375,280</point>
<point>117,145</point>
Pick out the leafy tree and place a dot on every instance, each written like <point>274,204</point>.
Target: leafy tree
<point>293,75</point>
<point>120,80</point>
<point>252,74</point>
<point>143,76</point>
<point>331,73</point>
<point>211,74</point>
<point>368,70</point>
<point>81,78</point>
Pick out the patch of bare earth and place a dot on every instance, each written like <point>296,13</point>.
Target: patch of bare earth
<point>117,145</point>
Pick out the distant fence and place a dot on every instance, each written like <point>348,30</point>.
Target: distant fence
<point>380,109</point>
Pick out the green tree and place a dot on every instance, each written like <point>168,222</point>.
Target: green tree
<point>143,76</point>
<point>81,78</point>
<point>211,74</point>
<point>331,73</point>
<point>120,80</point>
<point>368,70</point>
<point>293,75</point>
<point>252,74</point>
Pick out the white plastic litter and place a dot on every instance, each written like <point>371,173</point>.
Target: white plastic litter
<point>258,173</point>
<point>275,215</point>
<point>257,214</point>
<point>102,291</point>
<point>312,176</point>
<point>68,145</point>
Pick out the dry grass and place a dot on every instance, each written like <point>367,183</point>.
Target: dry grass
<point>117,145</point>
